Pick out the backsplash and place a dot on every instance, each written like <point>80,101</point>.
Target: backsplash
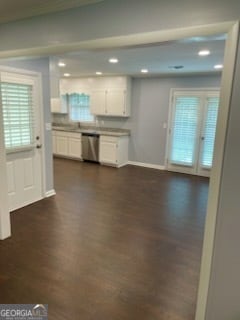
<point>100,121</point>
<point>60,118</point>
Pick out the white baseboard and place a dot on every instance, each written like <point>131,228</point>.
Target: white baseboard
<point>24,204</point>
<point>50,193</point>
<point>147,165</point>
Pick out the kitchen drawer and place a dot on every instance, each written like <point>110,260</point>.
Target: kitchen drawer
<point>61,133</point>
<point>109,139</point>
<point>76,135</point>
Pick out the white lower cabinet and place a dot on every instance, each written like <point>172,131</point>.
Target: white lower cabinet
<point>75,146</point>
<point>62,145</point>
<point>67,144</point>
<point>113,150</point>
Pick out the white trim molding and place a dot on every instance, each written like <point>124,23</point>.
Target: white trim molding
<point>122,41</point>
<point>146,165</point>
<point>216,173</point>
<point>50,193</point>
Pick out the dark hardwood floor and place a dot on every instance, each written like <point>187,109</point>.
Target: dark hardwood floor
<point>113,244</point>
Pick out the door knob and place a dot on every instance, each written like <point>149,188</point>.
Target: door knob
<point>39,146</point>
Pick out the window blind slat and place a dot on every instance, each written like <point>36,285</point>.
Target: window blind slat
<point>18,115</point>
<point>184,130</point>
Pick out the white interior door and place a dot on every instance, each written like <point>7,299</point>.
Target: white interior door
<point>192,132</point>
<point>21,119</point>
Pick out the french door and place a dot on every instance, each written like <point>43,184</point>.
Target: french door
<point>192,132</point>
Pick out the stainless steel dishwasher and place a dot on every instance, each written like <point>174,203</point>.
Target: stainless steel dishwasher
<point>90,146</point>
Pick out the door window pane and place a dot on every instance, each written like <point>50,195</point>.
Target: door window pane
<point>209,131</point>
<point>184,130</point>
<point>17,105</point>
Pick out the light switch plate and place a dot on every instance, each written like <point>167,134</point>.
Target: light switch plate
<point>48,126</point>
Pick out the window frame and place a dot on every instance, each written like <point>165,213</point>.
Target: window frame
<point>69,108</point>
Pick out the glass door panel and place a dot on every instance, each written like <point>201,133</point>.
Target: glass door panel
<point>208,135</point>
<point>192,132</point>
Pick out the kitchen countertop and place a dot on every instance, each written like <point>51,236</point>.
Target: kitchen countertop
<point>101,131</point>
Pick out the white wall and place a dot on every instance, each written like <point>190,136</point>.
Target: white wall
<point>150,107</point>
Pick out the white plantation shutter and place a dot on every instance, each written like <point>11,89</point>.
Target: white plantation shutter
<point>184,130</point>
<point>18,116</point>
<point>209,131</point>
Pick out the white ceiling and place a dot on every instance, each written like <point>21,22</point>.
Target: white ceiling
<point>158,59</point>
<point>11,10</point>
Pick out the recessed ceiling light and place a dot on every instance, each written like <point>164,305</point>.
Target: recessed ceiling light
<point>144,70</point>
<point>61,64</point>
<point>113,60</point>
<point>66,74</point>
<point>218,66</point>
<point>204,53</point>
<point>99,73</point>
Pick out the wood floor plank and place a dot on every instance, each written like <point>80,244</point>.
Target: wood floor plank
<point>112,244</point>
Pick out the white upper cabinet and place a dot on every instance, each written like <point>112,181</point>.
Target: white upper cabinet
<point>98,102</point>
<point>109,96</point>
<point>113,98</point>
<point>59,105</point>
<point>116,102</point>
